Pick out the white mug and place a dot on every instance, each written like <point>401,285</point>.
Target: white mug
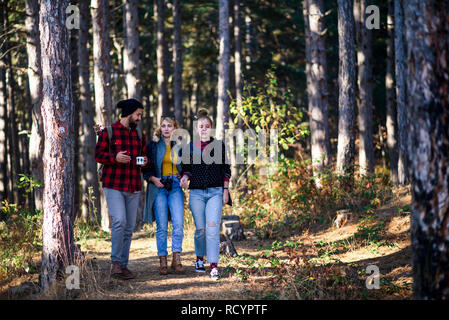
<point>139,160</point>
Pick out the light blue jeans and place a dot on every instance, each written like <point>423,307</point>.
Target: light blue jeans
<point>122,208</point>
<point>173,200</point>
<point>206,206</point>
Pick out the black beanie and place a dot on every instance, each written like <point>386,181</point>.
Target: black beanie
<point>128,106</point>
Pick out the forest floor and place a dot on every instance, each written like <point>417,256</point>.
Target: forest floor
<point>322,263</point>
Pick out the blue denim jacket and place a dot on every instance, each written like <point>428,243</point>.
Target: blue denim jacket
<point>155,155</point>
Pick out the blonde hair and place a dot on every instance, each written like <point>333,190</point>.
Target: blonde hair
<point>158,132</point>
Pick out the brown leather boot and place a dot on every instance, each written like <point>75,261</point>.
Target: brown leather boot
<point>163,269</point>
<point>176,263</point>
<point>116,270</point>
<point>127,274</point>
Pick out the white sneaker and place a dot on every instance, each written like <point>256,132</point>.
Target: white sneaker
<point>199,266</point>
<point>215,274</point>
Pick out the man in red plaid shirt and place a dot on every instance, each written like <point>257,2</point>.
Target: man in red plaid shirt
<point>121,180</point>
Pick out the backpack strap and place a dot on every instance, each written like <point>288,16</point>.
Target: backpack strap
<point>109,128</point>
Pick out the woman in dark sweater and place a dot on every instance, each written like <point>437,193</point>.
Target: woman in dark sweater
<point>209,176</point>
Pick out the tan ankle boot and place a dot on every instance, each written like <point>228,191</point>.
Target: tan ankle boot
<point>176,263</point>
<point>163,262</point>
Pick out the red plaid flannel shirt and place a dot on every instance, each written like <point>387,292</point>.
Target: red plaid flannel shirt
<point>118,176</point>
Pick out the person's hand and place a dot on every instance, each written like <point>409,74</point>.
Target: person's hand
<point>225,196</point>
<point>145,161</point>
<point>183,182</point>
<point>157,182</point>
<point>122,157</point>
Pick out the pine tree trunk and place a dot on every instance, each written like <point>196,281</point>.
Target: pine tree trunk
<point>57,113</point>
<point>177,62</point>
<point>3,122</point>
<point>161,57</point>
<point>102,76</point>
<point>427,74</point>
<point>317,92</point>
<point>400,91</point>
<point>35,87</point>
<point>73,38</point>
<point>365,89</point>
<point>87,138</point>
<point>223,70</point>
<point>131,66</point>
<point>238,87</point>
<point>13,141</point>
<point>131,63</point>
<point>347,83</point>
<point>248,40</point>
<point>102,61</point>
<point>391,122</point>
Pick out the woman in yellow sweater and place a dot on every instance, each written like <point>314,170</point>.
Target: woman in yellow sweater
<point>164,194</point>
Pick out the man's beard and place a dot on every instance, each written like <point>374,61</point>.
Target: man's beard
<point>132,124</point>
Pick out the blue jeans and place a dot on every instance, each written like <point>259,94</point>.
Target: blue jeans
<point>122,208</point>
<point>173,200</point>
<point>206,206</point>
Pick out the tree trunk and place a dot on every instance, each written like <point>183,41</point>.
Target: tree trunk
<point>400,91</point>
<point>238,86</point>
<point>13,141</point>
<point>194,103</point>
<point>102,61</point>
<point>131,63</point>
<point>3,122</point>
<point>222,121</point>
<point>314,14</point>
<point>102,76</point>
<point>391,98</point>
<point>73,36</point>
<point>131,66</point>
<point>365,89</point>
<point>177,62</point>
<point>87,138</point>
<point>120,84</point>
<point>248,40</point>
<point>35,88</point>
<point>160,53</point>
<point>57,113</point>
<point>427,74</point>
<point>346,83</point>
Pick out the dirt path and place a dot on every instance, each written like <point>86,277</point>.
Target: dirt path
<point>149,284</point>
<point>252,274</point>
